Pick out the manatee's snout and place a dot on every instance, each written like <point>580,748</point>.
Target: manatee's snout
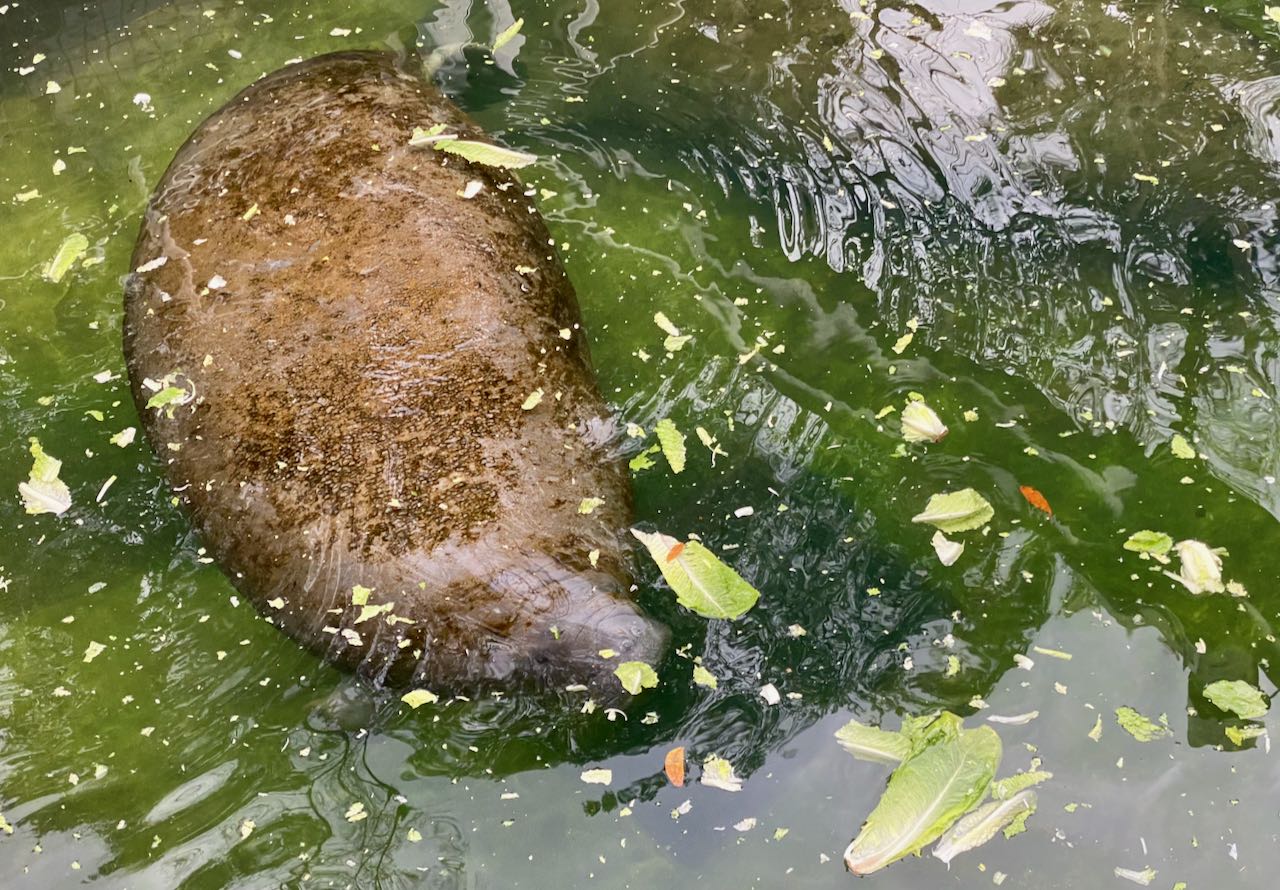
<point>586,650</point>
<point>634,636</point>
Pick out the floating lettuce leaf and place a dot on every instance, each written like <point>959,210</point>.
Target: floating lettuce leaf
<point>597,776</point>
<point>505,37</point>
<point>636,676</point>
<point>1241,734</point>
<point>167,396</point>
<point>704,677</point>
<point>485,153</point>
<point>712,444</point>
<point>874,744</point>
<point>1004,789</point>
<point>416,698</point>
<point>1151,543</point>
<point>1181,448</point>
<point>1240,698</point>
<point>170,395</point>
<point>718,773</point>
<point>956,511</point>
<point>1018,823</point>
<point>921,424</point>
<point>926,794</point>
<point>1139,727</point>
<point>1142,878</point>
<point>427,136</point>
<point>72,248</point>
<point>533,400</point>
<point>672,442</point>
<point>929,729</point>
<point>980,826</point>
<point>702,583</point>
<point>675,340</point>
<point>44,492</point>
<point>644,460</point>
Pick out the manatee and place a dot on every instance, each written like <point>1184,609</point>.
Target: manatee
<point>372,390</point>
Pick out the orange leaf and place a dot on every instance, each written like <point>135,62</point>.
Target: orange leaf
<point>675,551</point>
<point>674,766</point>
<point>1035,499</point>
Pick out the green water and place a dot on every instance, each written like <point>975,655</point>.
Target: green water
<point>816,175</point>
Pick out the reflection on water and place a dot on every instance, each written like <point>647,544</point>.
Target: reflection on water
<point>1073,203</point>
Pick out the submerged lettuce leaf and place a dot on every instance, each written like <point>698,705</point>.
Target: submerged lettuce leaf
<point>926,794</point>
<point>702,583</point>
<point>672,442</point>
<point>71,249</point>
<point>1201,569</point>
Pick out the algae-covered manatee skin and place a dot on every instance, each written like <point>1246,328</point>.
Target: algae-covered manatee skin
<point>356,343</point>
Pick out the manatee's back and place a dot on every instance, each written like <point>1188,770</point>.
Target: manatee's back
<point>360,339</point>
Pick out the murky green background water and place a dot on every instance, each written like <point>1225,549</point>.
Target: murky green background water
<point>814,175</point>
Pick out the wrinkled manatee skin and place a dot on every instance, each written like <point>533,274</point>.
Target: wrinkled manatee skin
<point>359,339</point>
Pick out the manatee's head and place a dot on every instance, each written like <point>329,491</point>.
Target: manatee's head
<point>572,629</point>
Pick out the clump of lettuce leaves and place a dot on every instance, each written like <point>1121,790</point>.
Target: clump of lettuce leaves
<point>943,775</point>
<point>44,492</point>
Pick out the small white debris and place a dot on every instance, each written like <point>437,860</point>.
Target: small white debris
<point>1015,719</point>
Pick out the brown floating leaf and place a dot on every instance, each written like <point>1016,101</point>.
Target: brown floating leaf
<point>1035,499</point>
<point>674,766</point>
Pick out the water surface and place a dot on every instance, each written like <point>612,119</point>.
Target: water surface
<point>1072,205</point>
